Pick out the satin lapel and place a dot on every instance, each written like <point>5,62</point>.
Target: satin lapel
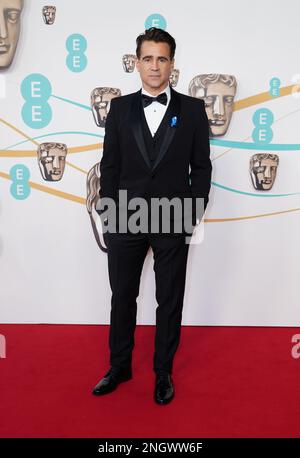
<point>136,125</point>
<point>173,110</point>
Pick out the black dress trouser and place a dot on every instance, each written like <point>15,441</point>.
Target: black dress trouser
<point>126,255</point>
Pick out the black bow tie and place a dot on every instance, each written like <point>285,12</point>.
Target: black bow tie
<point>161,98</point>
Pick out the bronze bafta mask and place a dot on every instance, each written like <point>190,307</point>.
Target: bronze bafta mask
<point>10,16</point>
<point>128,61</point>
<point>174,77</point>
<point>93,198</point>
<point>49,13</point>
<point>218,92</point>
<point>263,168</point>
<point>100,103</point>
<point>51,160</point>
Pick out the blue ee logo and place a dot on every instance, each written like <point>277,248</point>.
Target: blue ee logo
<point>263,120</point>
<point>19,175</point>
<point>36,90</point>
<point>274,90</point>
<point>76,60</point>
<point>156,20</point>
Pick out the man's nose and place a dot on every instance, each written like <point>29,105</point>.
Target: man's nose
<point>3,28</point>
<point>154,65</point>
<point>218,107</point>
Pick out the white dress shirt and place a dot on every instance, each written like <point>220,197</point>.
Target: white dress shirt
<point>155,112</point>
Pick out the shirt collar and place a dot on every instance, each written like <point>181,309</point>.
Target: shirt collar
<point>166,90</point>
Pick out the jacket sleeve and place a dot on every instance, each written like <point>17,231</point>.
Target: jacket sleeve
<point>110,162</point>
<point>201,168</point>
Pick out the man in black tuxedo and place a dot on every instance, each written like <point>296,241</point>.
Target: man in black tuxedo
<point>156,145</point>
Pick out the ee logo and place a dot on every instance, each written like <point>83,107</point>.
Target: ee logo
<point>263,120</point>
<point>76,45</point>
<point>274,90</point>
<point>36,90</point>
<point>19,175</point>
<point>156,20</point>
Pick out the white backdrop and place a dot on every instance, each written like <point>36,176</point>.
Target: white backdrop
<point>246,270</point>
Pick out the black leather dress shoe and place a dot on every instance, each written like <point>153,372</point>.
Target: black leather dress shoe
<point>164,389</point>
<point>111,380</point>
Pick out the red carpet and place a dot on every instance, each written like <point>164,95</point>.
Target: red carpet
<point>229,382</point>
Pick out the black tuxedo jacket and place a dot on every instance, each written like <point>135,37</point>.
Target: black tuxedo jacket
<point>182,167</point>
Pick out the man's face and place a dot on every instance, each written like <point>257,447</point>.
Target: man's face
<point>10,11</point>
<point>264,174</point>
<point>52,161</point>
<point>155,66</point>
<point>219,104</point>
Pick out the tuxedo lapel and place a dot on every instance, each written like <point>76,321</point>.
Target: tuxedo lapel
<point>136,125</point>
<point>164,129</point>
<point>168,131</point>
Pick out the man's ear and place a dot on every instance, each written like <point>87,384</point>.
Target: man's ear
<point>137,65</point>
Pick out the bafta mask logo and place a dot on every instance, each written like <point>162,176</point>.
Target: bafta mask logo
<point>128,61</point>
<point>174,77</point>
<point>92,200</point>
<point>100,103</point>
<point>10,13</point>
<point>263,168</point>
<point>49,14</point>
<point>217,91</point>
<point>51,160</point>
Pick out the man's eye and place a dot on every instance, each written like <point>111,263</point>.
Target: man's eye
<point>62,158</point>
<point>12,16</point>
<point>260,169</point>
<point>49,159</point>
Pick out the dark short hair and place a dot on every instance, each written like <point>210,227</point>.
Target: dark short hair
<point>157,35</point>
